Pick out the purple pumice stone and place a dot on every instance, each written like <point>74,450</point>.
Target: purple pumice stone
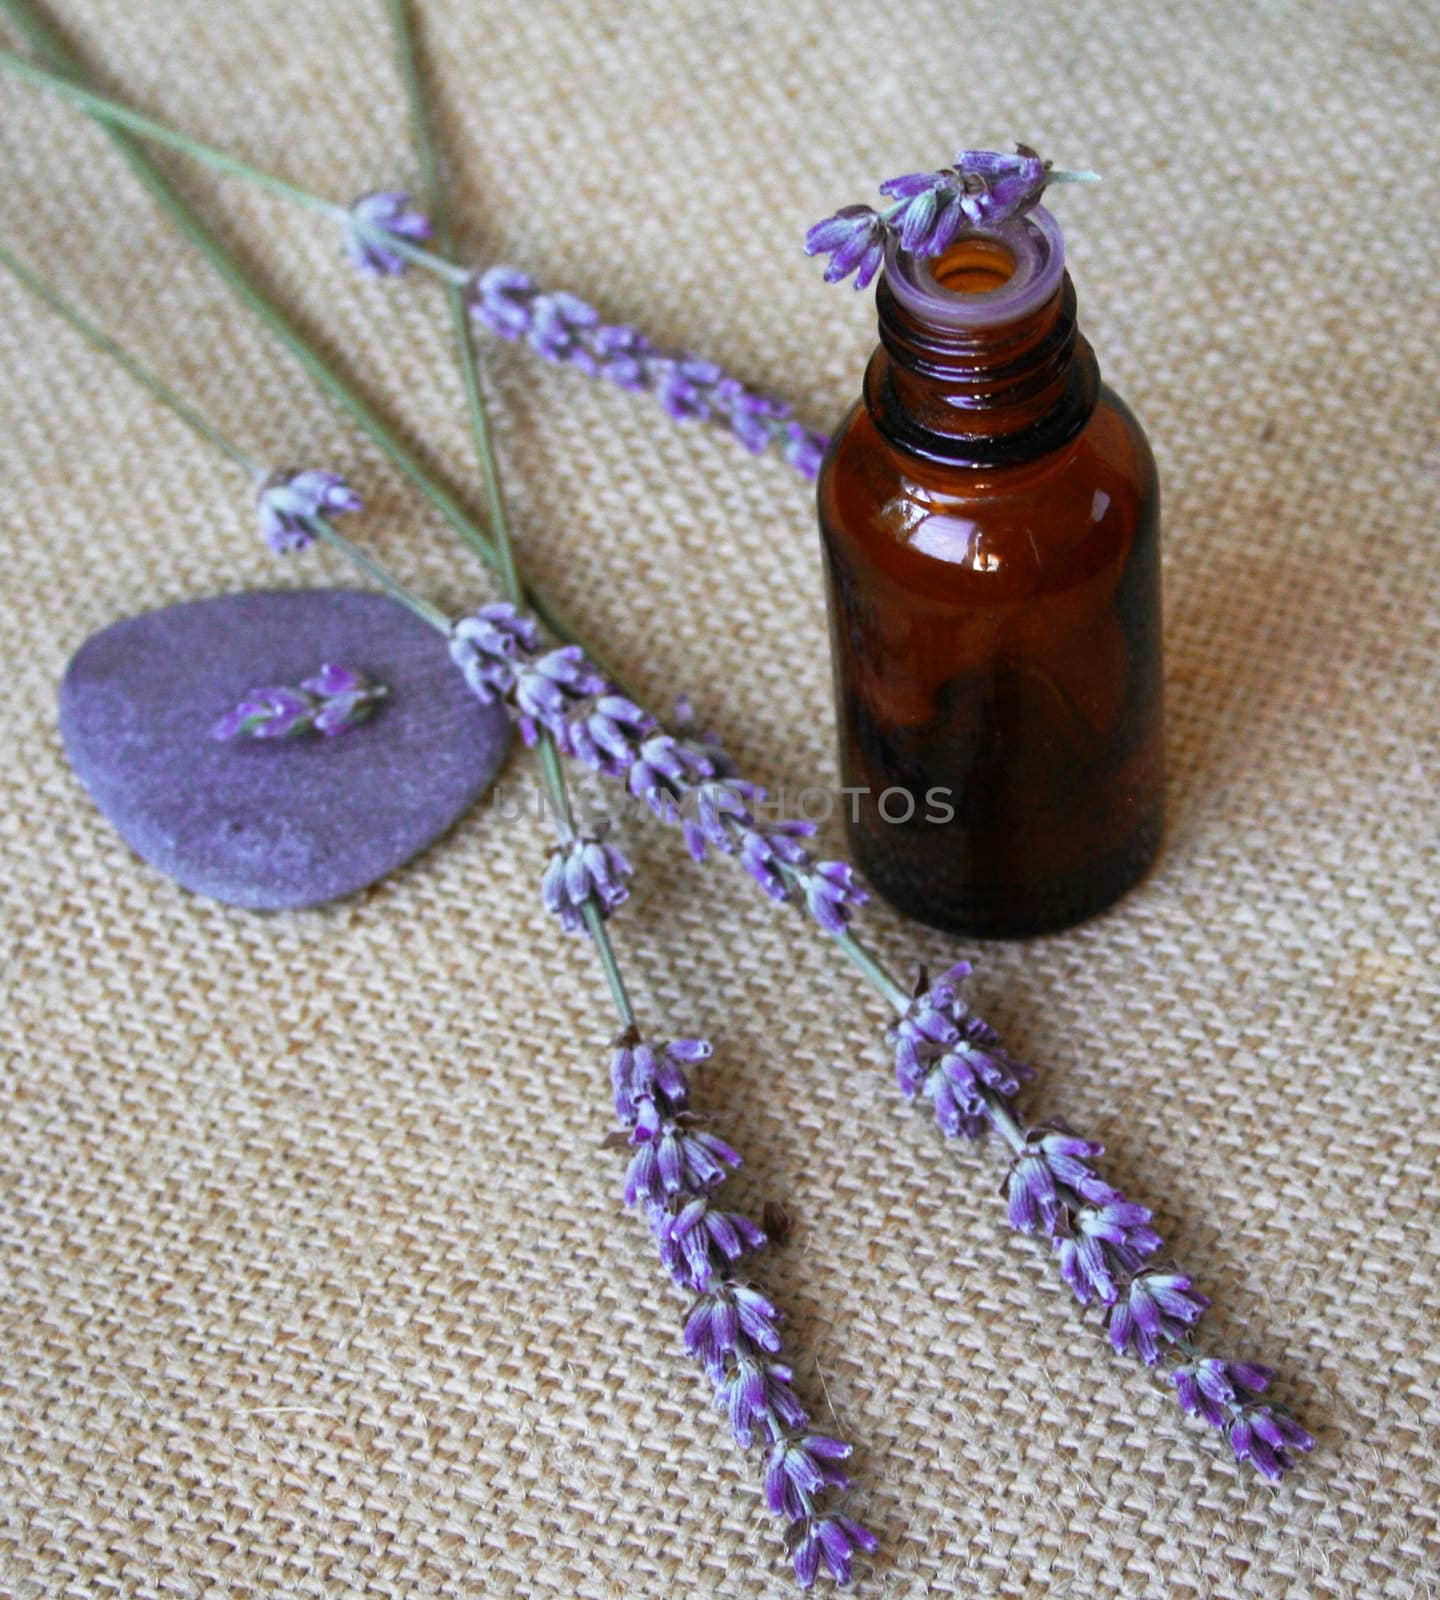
<point>275,824</point>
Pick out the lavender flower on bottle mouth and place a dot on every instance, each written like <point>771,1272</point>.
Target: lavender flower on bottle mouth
<point>929,210</point>
<point>373,215</point>
<point>288,499</point>
<point>331,702</point>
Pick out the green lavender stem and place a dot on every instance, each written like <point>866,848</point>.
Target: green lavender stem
<point>45,39</point>
<point>320,527</point>
<point>437,206</point>
<point>160,390</point>
<point>116,115</point>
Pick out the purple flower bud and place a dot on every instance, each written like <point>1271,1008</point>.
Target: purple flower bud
<point>1002,186</point>
<point>670,1157</point>
<point>756,1393</point>
<point>287,499</point>
<point>389,211</point>
<point>854,239</point>
<point>800,1468</point>
<point>804,450</point>
<point>620,355</point>
<point>831,891</point>
<point>1266,1439</point>
<point>1103,1243</point>
<point>274,713</point>
<point>718,1319</point>
<point>833,1537</point>
<point>585,871</point>
<point>502,300</point>
<point>556,327</point>
<point>642,1071</point>
<point>1215,1389</point>
<point>700,1239</point>
<point>1159,1306</point>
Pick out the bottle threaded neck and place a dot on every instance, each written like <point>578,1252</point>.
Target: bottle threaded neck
<point>981,361</point>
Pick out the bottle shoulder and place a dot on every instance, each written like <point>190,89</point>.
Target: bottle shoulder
<point>1018,527</point>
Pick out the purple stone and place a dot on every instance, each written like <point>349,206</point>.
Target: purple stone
<point>272,824</point>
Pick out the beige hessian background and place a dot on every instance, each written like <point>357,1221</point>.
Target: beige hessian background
<point>315,1281</point>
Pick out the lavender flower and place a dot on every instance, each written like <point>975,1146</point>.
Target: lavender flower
<point>287,500</point>
<point>801,1467</point>
<point>699,1241</point>
<point>642,1071</point>
<point>756,1396</point>
<point>1102,1241</point>
<point>684,782</point>
<point>1159,1307</point>
<point>672,1156</point>
<point>567,330</point>
<point>928,210</point>
<point>584,871</point>
<point>1217,1390</point>
<point>1268,1438</point>
<point>731,1328</point>
<point>384,211</point>
<point>854,239</point>
<point>720,1316</point>
<point>333,701</point>
<point>832,1537</point>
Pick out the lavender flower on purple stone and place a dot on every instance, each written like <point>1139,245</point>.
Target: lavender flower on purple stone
<point>586,869</point>
<point>287,500</point>
<point>331,702</point>
<point>928,210</point>
<point>385,211</point>
<point>565,329</point>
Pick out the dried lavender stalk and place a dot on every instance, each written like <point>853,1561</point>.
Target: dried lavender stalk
<point>676,1165</point>
<point>381,233</point>
<point>1103,1242</point>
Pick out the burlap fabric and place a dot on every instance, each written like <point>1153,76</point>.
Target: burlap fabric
<point>316,1281</point>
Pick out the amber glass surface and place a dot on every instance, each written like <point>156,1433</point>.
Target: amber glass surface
<point>990,519</point>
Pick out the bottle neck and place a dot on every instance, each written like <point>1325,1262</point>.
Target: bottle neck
<point>981,362</point>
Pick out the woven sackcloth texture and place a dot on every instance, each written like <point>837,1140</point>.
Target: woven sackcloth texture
<point>316,1279</point>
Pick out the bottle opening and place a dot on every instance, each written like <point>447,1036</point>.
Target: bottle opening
<point>990,275</point>
<point>974,266</point>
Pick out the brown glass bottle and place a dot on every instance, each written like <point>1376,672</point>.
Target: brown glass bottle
<point>990,518</point>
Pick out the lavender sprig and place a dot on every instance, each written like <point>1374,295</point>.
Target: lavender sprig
<point>373,225</point>
<point>1104,1243</point>
<point>565,329</point>
<point>929,210</point>
<point>686,782</point>
<point>731,1328</point>
<point>288,502</point>
<point>331,702</point>
<point>675,1164</point>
